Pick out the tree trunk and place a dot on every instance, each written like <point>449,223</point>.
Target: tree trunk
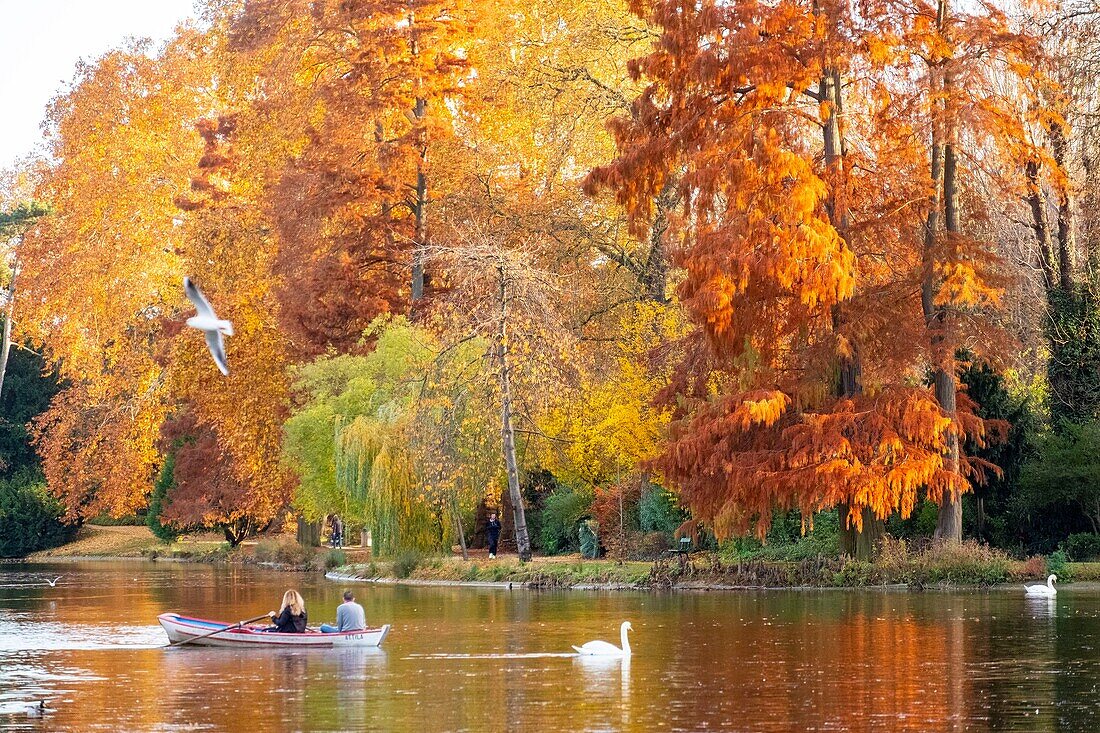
<point>853,543</point>
<point>979,520</point>
<point>943,170</point>
<point>508,435</point>
<point>419,208</point>
<point>458,526</point>
<point>5,345</point>
<point>1039,222</point>
<point>656,268</point>
<point>1066,225</point>
<point>308,534</point>
<point>949,523</point>
<point>867,540</point>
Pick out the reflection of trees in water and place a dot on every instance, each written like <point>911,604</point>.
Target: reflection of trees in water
<point>844,660</point>
<point>606,686</point>
<point>1014,657</point>
<point>341,690</point>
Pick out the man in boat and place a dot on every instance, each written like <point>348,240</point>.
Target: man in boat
<point>349,616</point>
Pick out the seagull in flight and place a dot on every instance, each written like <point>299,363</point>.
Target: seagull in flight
<point>206,321</point>
<point>53,583</point>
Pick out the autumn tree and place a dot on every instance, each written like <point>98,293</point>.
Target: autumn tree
<point>499,294</point>
<point>383,77</point>
<point>394,439</point>
<point>13,223</point>
<point>785,289</point>
<point>98,270</point>
<point>228,251</point>
<point>961,52</point>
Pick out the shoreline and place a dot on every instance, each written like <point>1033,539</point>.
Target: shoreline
<point>689,586</point>
<point>702,573</point>
<point>962,568</point>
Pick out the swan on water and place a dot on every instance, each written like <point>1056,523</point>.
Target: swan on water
<point>1043,590</point>
<point>604,649</point>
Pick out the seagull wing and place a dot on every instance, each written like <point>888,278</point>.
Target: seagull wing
<point>195,296</point>
<point>216,342</point>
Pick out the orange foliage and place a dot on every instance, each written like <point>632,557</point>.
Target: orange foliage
<point>801,240</point>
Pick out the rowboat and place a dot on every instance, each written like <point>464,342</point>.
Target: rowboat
<point>180,628</point>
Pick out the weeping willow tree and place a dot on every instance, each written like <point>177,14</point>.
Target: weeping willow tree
<point>377,470</point>
<point>396,441</point>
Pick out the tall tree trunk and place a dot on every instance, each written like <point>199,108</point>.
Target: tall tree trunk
<point>459,530</point>
<point>1039,222</point>
<point>655,279</point>
<point>949,522</point>
<point>1066,224</point>
<point>421,204</point>
<point>943,172</point>
<point>858,543</point>
<point>508,435</point>
<point>5,345</point>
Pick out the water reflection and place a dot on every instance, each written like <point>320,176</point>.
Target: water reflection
<point>490,660</point>
<point>607,683</point>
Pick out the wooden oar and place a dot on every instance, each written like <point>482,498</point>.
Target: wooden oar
<point>237,625</point>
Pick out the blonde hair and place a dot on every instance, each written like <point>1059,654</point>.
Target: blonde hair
<point>292,599</point>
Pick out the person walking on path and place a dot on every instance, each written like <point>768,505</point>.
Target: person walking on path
<point>336,533</point>
<point>493,530</point>
<point>350,616</point>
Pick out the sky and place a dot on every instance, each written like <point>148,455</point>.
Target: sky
<point>41,41</point>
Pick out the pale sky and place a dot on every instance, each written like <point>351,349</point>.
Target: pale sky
<point>41,41</point>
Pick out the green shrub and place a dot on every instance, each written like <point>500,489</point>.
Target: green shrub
<point>922,523</point>
<point>658,512</point>
<point>966,562</point>
<point>786,543</point>
<point>1057,563</point>
<point>588,534</point>
<point>405,563</point>
<point>856,573</point>
<point>165,481</point>
<point>1082,547</point>
<point>649,546</point>
<point>30,519</point>
<point>334,559</point>
<point>560,514</point>
<point>283,551</point>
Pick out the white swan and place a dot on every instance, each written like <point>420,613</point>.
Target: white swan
<point>1043,591</point>
<point>604,649</point>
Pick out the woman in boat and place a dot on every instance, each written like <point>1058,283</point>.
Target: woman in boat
<point>291,618</point>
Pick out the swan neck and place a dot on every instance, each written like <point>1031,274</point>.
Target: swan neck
<point>625,640</point>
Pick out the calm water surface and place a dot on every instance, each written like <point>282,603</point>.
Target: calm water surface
<point>491,660</point>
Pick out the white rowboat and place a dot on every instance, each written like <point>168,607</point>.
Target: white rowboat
<point>181,628</point>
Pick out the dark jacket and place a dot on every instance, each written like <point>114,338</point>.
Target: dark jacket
<point>288,623</point>
<point>493,529</point>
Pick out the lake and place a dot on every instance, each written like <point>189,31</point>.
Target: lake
<point>488,659</point>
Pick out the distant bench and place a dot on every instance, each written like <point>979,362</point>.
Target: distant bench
<point>684,547</point>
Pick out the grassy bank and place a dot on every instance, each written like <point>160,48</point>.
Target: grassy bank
<point>967,565</point>
<point>897,564</point>
<point>137,542</point>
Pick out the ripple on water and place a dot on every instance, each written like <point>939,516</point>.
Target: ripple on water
<point>20,633</point>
